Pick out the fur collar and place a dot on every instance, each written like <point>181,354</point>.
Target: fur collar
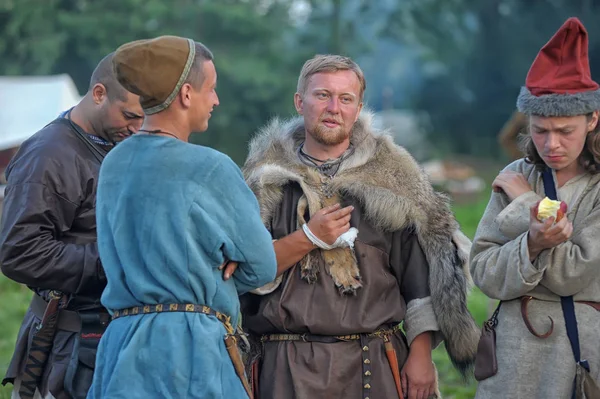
<point>395,193</point>
<point>383,176</point>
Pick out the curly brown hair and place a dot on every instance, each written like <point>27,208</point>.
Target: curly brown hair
<point>589,157</point>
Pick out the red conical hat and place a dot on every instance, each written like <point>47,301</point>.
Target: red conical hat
<point>559,82</point>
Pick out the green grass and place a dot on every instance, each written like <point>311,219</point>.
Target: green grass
<point>468,215</point>
<point>15,298</point>
<point>452,385</point>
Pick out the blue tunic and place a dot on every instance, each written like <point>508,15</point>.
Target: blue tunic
<point>168,214</point>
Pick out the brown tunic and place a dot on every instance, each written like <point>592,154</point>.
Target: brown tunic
<point>394,272</point>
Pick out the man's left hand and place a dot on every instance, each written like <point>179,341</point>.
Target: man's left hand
<point>418,377</point>
<point>230,267</point>
<point>512,183</point>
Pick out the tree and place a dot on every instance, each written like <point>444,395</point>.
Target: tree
<point>250,41</point>
<point>475,56</point>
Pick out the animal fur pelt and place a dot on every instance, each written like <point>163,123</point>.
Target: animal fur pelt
<point>394,194</point>
<point>340,263</point>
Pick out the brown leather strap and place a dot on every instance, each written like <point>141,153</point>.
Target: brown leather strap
<point>366,366</point>
<point>324,339</point>
<point>524,302</point>
<point>329,339</point>
<point>390,352</point>
<point>595,305</point>
<point>40,346</point>
<point>68,320</point>
<point>238,364</point>
<point>254,375</point>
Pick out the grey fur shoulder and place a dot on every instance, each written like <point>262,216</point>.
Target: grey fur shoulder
<point>395,193</point>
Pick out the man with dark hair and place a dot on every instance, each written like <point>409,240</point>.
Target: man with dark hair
<point>103,74</point>
<point>164,228</point>
<point>115,117</point>
<point>48,239</point>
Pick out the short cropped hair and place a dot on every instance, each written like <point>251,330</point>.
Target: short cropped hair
<point>105,75</point>
<point>329,63</point>
<point>196,75</point>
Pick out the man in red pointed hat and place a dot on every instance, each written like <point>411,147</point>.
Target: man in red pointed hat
<point>546,270</point>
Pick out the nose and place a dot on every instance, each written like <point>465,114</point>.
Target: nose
<point>135,125</point>
<point>333,106</point>
<point>552,141</point>
<point>216,100</point>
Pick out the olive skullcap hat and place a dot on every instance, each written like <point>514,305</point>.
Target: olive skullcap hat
<point>154,69</point>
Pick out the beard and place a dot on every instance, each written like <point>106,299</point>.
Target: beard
<point>117,135</point>
<point>328,136</point>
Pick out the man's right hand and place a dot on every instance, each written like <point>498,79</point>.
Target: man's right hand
<point>545,235</point>
<point>331,222</point>
<point>327,224</point>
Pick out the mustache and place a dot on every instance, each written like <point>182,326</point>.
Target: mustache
<point>331,118</point>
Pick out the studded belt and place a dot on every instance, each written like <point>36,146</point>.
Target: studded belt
<point>176,307</point>
<point>329,339</point>
<point>230,338</point>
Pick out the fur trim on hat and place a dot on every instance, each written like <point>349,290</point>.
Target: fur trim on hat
<point>558,104</point>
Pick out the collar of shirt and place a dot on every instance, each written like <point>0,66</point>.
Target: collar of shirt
<point>94,138</point>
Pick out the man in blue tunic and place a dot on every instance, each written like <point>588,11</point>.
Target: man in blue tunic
<point>169,214</point>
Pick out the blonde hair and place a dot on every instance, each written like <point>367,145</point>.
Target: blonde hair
<point>329,63</point>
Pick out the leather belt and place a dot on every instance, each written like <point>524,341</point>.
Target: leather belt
<point>176,307</point>
<point>327,339</point>
<point>595,305</point>
<point>68,320</point>
<point>524,314</point>
<point>383,333</point>
<point>230,338</point>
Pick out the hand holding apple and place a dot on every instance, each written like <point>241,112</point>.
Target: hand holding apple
<point>549,208</point>
<point>552,231</point>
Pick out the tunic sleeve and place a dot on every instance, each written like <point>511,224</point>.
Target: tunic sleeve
<point>233,228</point>
<point>35,216</point>
<point>573,265</point>
<point>412,271</point>
<point>500,264</point>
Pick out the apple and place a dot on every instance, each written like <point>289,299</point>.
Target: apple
<point>549,208</point>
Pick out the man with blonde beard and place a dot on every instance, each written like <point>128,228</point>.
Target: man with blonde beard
<point>363,244</point>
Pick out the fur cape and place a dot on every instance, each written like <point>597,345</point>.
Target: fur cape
<point>395,193</point>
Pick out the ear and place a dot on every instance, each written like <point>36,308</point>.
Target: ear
<point>298,103</point>
<point>99,93</point>
<point>360,106</point>
<point>593,121</point>
<point>185,95</point>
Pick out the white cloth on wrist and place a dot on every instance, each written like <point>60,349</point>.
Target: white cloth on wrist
<point>344,240</point>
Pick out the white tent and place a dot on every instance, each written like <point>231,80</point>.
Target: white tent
<point>404,126</point>
<point>28,103</point>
